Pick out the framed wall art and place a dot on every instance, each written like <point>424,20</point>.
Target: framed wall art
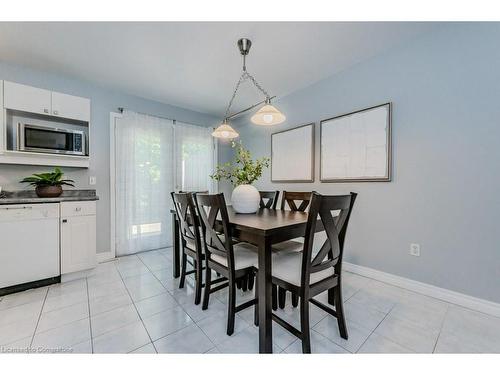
<point>292,155</point>
<point>356,147</point>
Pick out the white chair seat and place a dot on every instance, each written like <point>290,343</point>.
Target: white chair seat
<point>190,244</point>
<point>288,247</point>
<point>245,255</point>
<point>288,267</point>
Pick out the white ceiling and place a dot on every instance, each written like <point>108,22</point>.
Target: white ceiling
<point>196,65</point>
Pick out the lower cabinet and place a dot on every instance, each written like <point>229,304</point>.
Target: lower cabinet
<point>78,236</point>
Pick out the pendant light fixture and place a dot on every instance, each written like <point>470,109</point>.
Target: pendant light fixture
<point>266,115</point>
<point>225,131</point>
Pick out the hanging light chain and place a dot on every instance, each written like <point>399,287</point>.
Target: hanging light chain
<point>244,76</point>
<point>254,81</point>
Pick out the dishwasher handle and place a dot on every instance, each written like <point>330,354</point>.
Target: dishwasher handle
<point>17,208</point>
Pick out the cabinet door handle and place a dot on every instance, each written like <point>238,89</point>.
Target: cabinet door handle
<point>55,112</point>
<point>65,220</point>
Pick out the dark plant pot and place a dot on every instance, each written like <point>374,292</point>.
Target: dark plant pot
<point>47,191</point>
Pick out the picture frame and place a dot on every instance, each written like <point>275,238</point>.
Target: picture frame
<point>357,146</point>
<point>297,166</point>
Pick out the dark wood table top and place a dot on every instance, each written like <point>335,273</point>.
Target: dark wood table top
<point>266,221</point>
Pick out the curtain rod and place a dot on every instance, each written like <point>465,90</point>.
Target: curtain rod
<point>121,109</point>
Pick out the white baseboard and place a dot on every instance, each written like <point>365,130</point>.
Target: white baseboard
<point>104,257</point>
<point>473,303</point>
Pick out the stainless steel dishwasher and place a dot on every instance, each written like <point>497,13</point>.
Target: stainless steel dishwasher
<point>29,243</point>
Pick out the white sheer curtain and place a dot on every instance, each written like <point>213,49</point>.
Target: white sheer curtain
<point>194,157</point>
<point>144,180</point>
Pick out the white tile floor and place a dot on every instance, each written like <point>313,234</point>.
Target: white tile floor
<point>133,305</point>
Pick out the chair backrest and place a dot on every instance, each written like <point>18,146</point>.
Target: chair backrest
<point>289,197</point>
<point>330,254</point>
<point>272,199</point>
<point>195,192</point>
<point>189,222</point>
<point>212,211</point>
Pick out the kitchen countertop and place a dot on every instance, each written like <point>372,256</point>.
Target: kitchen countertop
<point>29,197</point>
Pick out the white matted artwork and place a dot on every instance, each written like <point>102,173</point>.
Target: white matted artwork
<point>357,146</point>
<point>292,155</point>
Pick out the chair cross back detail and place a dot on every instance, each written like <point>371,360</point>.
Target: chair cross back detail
<point>289,197</point>
<point>272,199</point>
<point>209,207</point>
<point>188,220</point>
<point>330,254</point>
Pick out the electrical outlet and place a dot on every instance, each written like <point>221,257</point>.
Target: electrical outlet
<point>415,249</point>
<point>92,180</point>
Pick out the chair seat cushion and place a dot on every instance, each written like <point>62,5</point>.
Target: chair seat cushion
<point>288,246</point>
<point>245,256</point>
<point>190,244</point>
<point>288,267</point>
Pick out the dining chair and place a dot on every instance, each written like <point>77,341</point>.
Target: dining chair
<point>272,199</point>
<point>271,203</point>
<point>289,198</point>
<point>232,260</point>
<point>309,274</point>
<point>191,240</point>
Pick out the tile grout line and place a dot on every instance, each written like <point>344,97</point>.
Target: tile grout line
<point>152,342</point>
<point>441,329</point>
<point>39,317</point>
<point>385,337</point>
<point>150,271</point>
<point>371,333</point>
<point>195,323</point>
<point>137,311</point>
<point>90,320</point>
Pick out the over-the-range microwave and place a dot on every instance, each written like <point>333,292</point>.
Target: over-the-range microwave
<point>48,139</point>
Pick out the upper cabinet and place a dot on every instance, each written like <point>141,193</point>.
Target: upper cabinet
<point>69,106</point>
<point>26,98</point>
<point>34,100</point>
<point>23,105</point>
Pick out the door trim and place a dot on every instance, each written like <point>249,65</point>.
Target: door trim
<point>102,257</point>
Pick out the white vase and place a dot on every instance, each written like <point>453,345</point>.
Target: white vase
<point>245,199</point>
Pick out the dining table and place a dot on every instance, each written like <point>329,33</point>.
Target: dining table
<point>263,229</point>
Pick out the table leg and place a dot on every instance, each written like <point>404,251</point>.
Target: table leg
<point>265,297</point>
<point>176,248</point>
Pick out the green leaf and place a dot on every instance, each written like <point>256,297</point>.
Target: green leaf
<point>49,178</point>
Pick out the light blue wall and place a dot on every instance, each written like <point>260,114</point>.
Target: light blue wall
<point>103,102</point>
<point>445,194</point>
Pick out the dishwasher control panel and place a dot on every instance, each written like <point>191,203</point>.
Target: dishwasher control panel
<point>29,211</point>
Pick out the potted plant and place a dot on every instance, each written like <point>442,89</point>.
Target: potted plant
<point>48,185</point>
<point>242,173</point>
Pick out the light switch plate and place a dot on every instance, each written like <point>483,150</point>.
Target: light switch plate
<point>92,180</point>
<point>415,249</point>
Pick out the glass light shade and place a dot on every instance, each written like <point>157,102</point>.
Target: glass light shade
<point>225,131</point>
<point>268,115</point>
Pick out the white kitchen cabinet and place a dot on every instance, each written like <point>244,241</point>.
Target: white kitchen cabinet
<point>78,236</point>
<point>69,106</point>
<point>26,98</point>
<point>23,103</point>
